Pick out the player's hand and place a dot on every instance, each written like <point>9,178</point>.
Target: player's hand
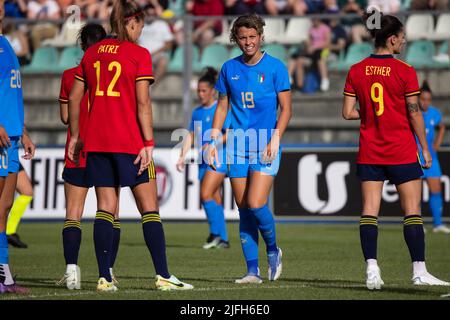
<point>145,157</point>
<point>212,156</point>
<point>180,164</point>
<point>427,158</point>
<point>270,153</point>
<point>435,147</point>
<point>74,148</point>
<point>5,142</point>
<point>28,147</point>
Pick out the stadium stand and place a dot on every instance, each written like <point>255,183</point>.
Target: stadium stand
<point>419,26</point>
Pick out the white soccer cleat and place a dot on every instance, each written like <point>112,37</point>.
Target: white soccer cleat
<point>374,280</point>
<point>72,277</point>
<point>104,286</point>
<point>171,284</point>
<point>114,279</point>
<point>249,278</point>
<point>427,279</point>
<point>211,242</point>
<point>441,229</point>
<point>275,265</point>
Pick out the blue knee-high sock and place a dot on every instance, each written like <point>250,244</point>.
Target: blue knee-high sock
<point>266,225</point>
<point>414,237</point>
<point>103,238</point>
<point>71,234</point>
<point>115,242</point>
<point>368,234</point>
<point>156,243</point>
<point>436,208</point>
<point>216,219</point>
<point>248,231</point>
<point>211,215</point>
<point>4,255</point>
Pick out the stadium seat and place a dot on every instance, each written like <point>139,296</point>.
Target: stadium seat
<point>176,64</point>
<point>420,54</point>
<point>214,55</point>
<point>42,60</point>
<point>235,52</point>
<point>442,31</point>
<point>444,48</point>
<point>419,26</point>
<point>277,50</point>
<point>67,37</point>
<point>355,53</point>
<point>70,57</point>
<point>274,30</point>
<point>297,31</point>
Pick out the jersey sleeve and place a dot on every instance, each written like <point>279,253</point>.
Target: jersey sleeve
<point>349,89</point>
<point>64,92</point>
<point>80,71</point>
<point>221,84</point>
<point>144,67</point>
<point>191,124</point>
<point>281,78</point>
<point>411,83</point>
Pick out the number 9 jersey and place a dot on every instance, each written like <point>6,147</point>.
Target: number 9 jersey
<point>381,84</point>
<point>110,70</point>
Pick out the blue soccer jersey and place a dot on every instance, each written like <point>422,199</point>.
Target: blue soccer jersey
<point>11,99</point>
<point>432,118</point>
<point>253,94</point>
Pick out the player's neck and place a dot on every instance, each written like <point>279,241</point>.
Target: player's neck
<point>383,51</point>
<point>252,60</point>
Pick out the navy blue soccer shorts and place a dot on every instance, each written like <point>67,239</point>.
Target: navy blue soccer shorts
<point>76,177</point>
<point>396,174</point>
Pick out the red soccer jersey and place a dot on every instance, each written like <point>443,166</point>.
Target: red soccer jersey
<point>66,85</point>
<point>381,84</point>
<point>110,70</point>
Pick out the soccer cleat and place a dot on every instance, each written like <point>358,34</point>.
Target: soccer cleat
<point>171,284</point>
<point>223,245</point>
<point>13,288</point>
<point>211,242</point>
<point>427,279</point>
<point>105,286</point>
<point>72,277</point>
<point>249,278</point>
<point>275,265</point>
<point>374,280</point>
<point>114,279</point>
<point>14,240</point>
<point>441,229</point>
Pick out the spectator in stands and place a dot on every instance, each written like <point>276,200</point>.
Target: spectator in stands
<point>429,5</point>
<point>40,10</point>
<point>338,39</point>
<point>205,30</point>
<point>176,7</point>
<point>19,42</point>
<point>16,8</point>
<point>276,7</point>
<point>315,6</point>
<point>315,55</point>
<point>240,7</point>
<point>354,26</point>
<point>63,5</point>
<point>157,38</point>
<point>330,6</point>
<point>385,6</point>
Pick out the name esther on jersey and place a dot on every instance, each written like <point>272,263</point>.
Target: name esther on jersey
<point>378,71</point>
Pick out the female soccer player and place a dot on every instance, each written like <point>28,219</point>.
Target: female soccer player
<point>74,175</point>
<point>211,180</point>
<point>12,131</point>
<point>387,91</point>
<point>252,86</point>
<point>119,138</point>
<point>432,118</point>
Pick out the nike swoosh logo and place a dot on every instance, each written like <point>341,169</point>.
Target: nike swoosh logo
<point>179,285</point>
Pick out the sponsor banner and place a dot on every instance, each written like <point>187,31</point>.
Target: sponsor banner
<point>323,182</point>
<point>178,193</point>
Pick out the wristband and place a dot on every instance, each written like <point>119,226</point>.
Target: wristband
<point>149,143</point>
<point>213,142</point>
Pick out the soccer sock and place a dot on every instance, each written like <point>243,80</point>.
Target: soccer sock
<point>5,273</point>
<point>248,231</point>
<point>71,240</point>
<point>103,238</point>
<point>156,244</point>
<point>221,222</point>
<point>18,209</point>
<point>116,241</point>
<point>211,215</point>
<point>368,234</point>
<point>266,225</point>
<point>414,237</point>
<point>436,208</point>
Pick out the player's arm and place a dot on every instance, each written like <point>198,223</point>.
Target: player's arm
<point>439,137</point>
<point>349,111</point>
<point>28,145</point>
<point>75,97</point>
<point>64,112</point>
<point>219,118</point>
<point>418,125</point>
<point>187,144</point>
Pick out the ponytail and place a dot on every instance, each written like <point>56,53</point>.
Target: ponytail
<point>122,12</point>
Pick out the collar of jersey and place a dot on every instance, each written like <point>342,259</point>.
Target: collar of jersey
<point>381,56</point>
<point>254,64</point>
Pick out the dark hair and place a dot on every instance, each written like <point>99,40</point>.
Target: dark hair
<point>90,34</point>
<point>209,75</point>
<point>389,26</point>
<point>426,87</point>
<point>250,21</point>
<point>122,12</point>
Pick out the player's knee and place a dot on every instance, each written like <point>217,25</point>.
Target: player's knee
<point>206,195</point>
<point>256,203</point>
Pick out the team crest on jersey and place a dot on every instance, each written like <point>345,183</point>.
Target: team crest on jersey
<point>261,77</point>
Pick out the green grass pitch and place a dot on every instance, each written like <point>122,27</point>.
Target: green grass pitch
<point>320,261</point>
